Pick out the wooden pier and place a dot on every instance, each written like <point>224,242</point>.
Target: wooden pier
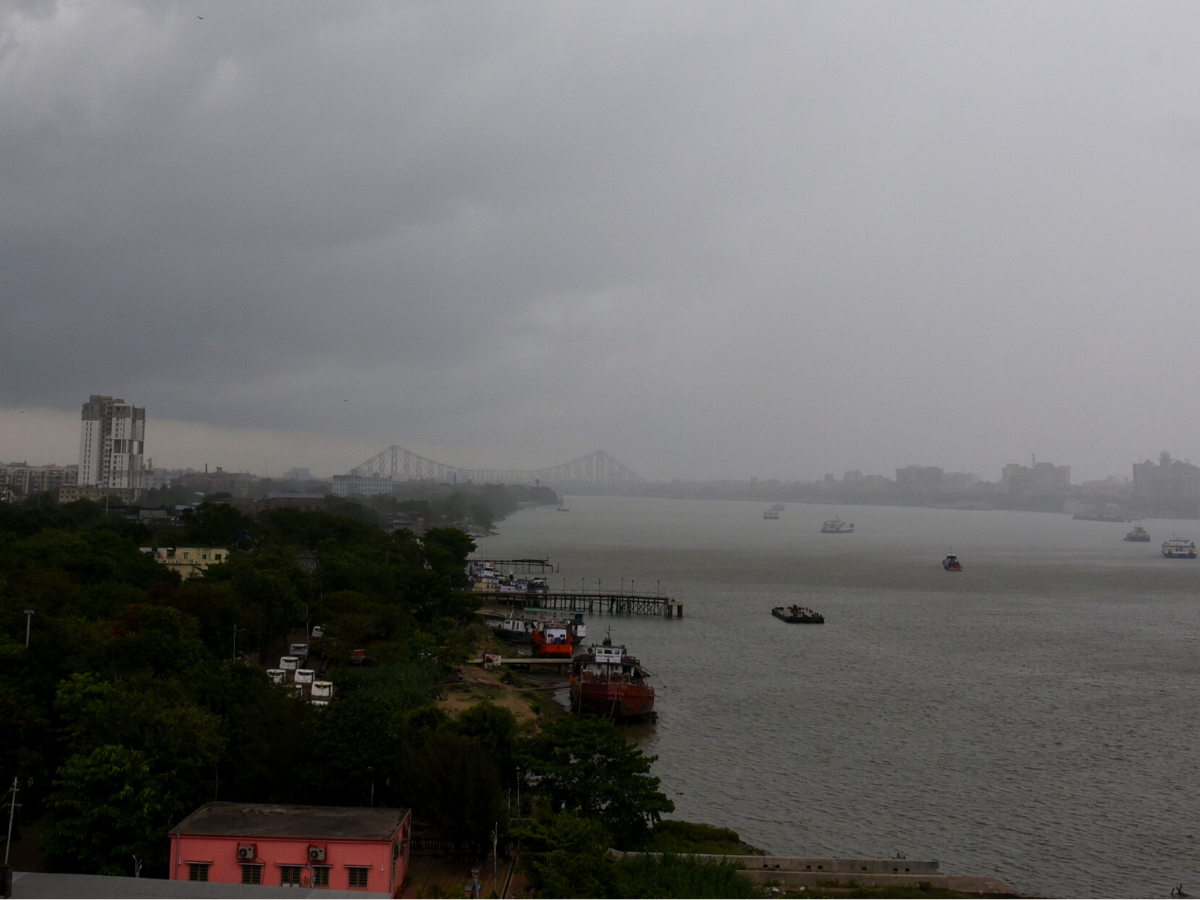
<point>613,603</point>
<point>517,565</point>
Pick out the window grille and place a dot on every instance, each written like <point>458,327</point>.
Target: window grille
<point>289,876</point>
<point>320,876</point>
<point>358,875</point>
<point>251,873</point>
<point>197,871</point>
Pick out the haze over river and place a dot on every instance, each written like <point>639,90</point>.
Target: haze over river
<point>1033,718</point>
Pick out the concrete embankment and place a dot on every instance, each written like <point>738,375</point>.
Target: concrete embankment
<point>810,871</point>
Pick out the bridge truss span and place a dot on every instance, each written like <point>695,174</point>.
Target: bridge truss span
<point>600,469</point>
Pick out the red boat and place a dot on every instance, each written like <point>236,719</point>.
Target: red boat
<point>552,640</point>
<point>951,564</point>
<point>606,681</point>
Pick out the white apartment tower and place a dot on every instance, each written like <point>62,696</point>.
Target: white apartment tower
<point>110,443</point>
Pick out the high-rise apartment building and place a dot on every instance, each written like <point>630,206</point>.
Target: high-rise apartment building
<point>110,443</point>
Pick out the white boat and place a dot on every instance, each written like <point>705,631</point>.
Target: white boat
<point>837,526</point>
<point>1178,548</point>
<point>770,513</point>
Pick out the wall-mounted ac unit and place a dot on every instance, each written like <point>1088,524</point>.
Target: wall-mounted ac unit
<point>247,851</point>
<point>316,854</point>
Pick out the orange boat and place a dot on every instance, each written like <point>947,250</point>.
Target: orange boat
<point>552,640</point>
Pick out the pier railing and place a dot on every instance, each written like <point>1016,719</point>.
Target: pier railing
<point>613,603</point>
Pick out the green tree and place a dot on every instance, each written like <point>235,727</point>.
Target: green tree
<point>107,807</point>
<point>586,765</point>
<point>566,855</point>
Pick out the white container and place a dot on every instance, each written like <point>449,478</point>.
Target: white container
<point>289,663</point>
<point>298,650</point>
<point>305,676</point>
<point>279,676</point>
<point>322,690</point>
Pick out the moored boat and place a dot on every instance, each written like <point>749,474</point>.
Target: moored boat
<point>1139,535</point>
<point>770,513</point>
<point>1178,548</point>
<point>837,526</point>
<point>798,615</point>
<point>552,640</point>
<point>514,628</point>
<point>607,681</point>
<point>951,563</point>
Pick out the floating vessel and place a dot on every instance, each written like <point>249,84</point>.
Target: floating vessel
<point>1139,534</point>
<point>607,681</point>
<point>1178,548</point>
<point>771,513</point>
<point>552,640</point>
<point>778,507</point>
<point>951,563</point>
<point>837,526</point>
<point>514,628</point>
<point>798,615</point>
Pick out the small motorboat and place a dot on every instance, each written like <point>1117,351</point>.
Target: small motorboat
<point>951,563</point>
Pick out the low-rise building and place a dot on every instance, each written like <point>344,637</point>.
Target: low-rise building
<point>362,485</point>
<point>335,847</point>
<point>189,562</point>
<point>69,493</point>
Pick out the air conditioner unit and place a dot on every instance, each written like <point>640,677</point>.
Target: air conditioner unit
<point>316,854</point>
<point>247,851</point>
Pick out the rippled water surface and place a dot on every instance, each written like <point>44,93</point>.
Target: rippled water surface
<point>1033,718</point>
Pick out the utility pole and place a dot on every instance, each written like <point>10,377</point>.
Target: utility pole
<point>495,860</point>
<point>12,811</point>
<point>235,634</point>
<point>28,619</point>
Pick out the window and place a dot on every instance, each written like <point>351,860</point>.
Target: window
<point>251,873</point>
<point>197,871</point>
<point>358,875</point>
<point>289,876</point>
<point>320,876</point>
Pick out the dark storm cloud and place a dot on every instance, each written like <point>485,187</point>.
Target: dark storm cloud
<point>709,238</point>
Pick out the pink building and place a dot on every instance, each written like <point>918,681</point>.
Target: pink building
<point>337,847</point>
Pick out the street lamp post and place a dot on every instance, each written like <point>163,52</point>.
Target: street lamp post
<point>28,620</point>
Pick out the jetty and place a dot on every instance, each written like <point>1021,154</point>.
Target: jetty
<point>516,565</point>
<point>613,603</point>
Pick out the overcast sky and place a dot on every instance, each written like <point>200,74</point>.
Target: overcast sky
<point>716,240</point>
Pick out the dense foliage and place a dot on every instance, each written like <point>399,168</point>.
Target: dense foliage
<point>125,712</point>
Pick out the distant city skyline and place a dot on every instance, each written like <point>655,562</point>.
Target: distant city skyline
<point>40,436</point>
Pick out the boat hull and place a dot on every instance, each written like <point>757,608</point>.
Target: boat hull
<point>616,700</point>
<point>544,649</point>
<point>513,637</point>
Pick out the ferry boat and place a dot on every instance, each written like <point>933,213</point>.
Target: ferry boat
<point>837,526</point>
<point>798,615</point>
<point>1178,548</point>
<point>951,563</point>
<point>1139,534</point>
<point>607,681</point>
<point>771,513</point>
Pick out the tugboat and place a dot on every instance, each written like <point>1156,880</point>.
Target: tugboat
<point>1178,548</point>
<point>798,615</point>
<point>552,640</point>
<point>951,563</point>
<point>837,526</point>
<point>606,681</point>
<point>1139,534</point>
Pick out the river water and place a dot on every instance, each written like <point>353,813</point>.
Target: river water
<point>1032,718</point>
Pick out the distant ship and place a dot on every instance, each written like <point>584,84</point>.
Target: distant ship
<point>771,513</point>
<point>837,526</point>
<point>798,615</point>
<point>1139,534</point>
<point>951,563</point>
<point>1178,548</point>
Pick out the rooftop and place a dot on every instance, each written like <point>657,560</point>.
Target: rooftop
<point>269,820</point>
